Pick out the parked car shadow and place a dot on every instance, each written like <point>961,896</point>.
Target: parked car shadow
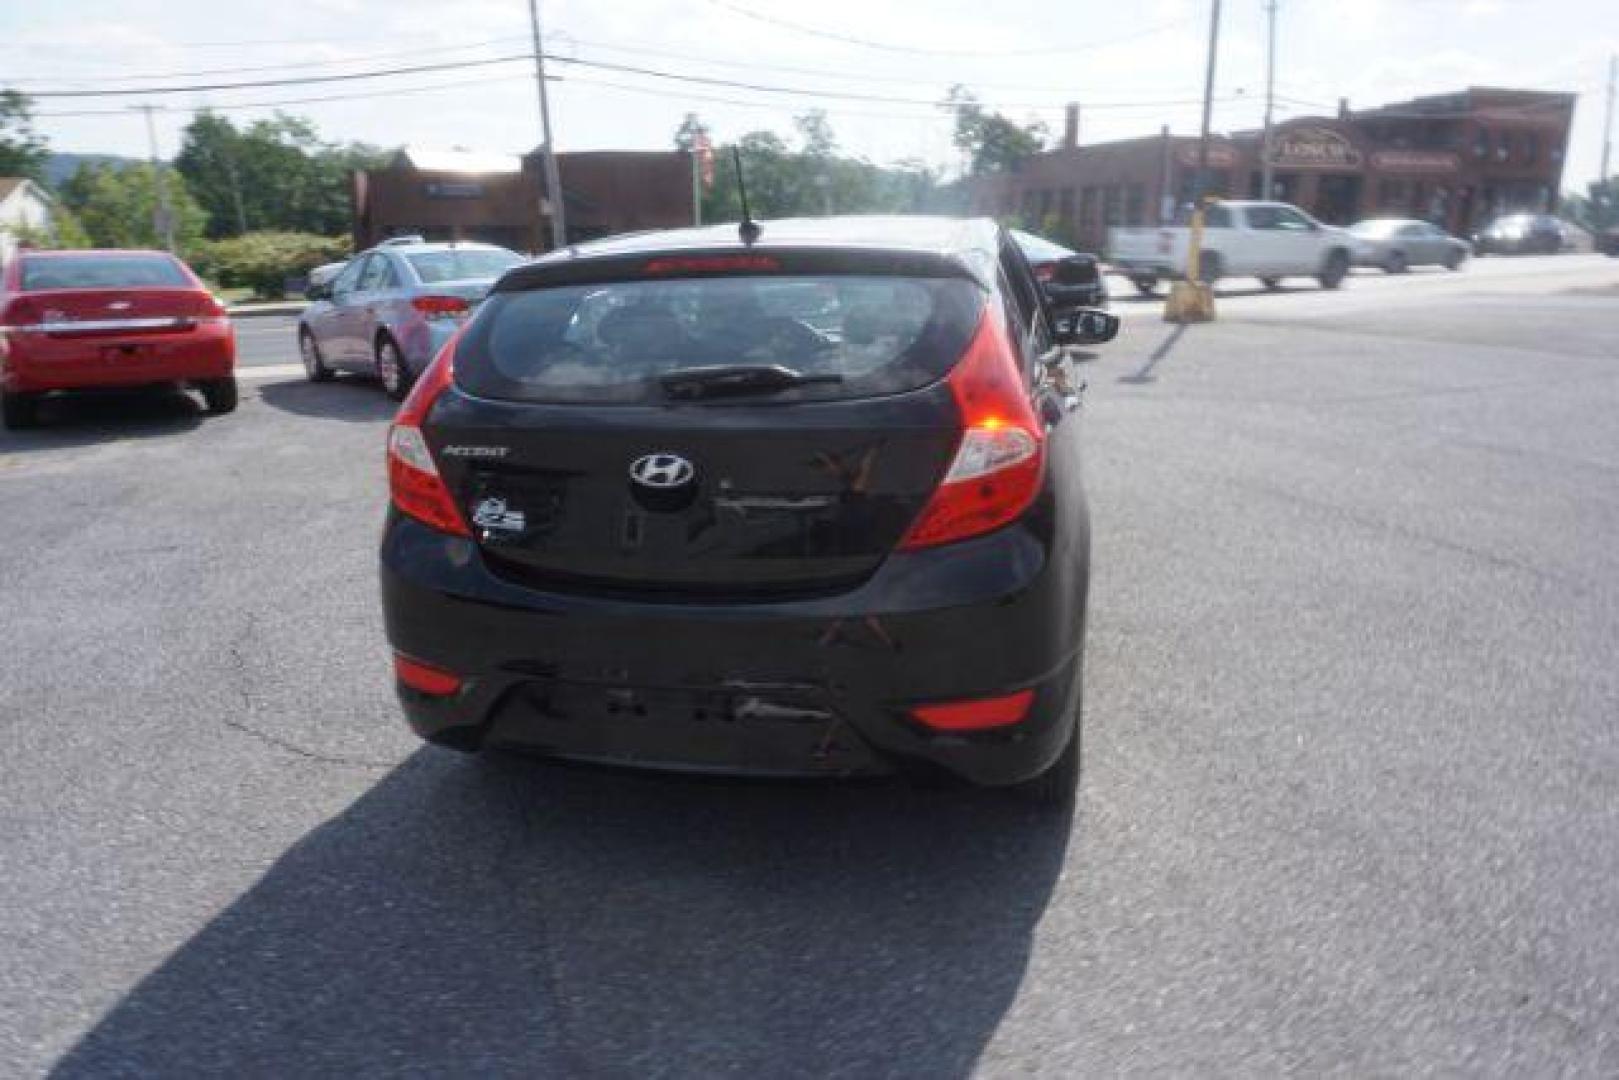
<point>84,419</point>
<point>504,917</point>
<point>346,397</point>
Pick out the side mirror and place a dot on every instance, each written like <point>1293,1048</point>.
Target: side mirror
<point>320,291</point>
<point>1086,326</point>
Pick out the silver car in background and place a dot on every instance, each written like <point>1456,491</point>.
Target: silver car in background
<point>390,310</point>
<point>1396,244</point>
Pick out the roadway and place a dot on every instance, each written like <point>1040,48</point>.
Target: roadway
<point>1351,794</point>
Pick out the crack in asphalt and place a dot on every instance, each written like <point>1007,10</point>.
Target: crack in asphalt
<point>239,679</point>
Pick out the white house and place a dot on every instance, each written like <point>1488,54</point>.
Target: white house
<point>25,207</point>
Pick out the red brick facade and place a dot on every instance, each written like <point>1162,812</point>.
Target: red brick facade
<point>607,192</point>
<point>1453,159</point>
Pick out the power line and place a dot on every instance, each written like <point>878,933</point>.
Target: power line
<point>290,66</point>
<point>305,80</point>
<point>850,39</point>
<point>236,106</point>
<point>629,69</point>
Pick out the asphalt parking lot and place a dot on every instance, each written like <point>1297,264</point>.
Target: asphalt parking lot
<point>1351,794</point>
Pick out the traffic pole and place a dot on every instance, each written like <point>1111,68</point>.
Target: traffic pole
<point>1192,300</point>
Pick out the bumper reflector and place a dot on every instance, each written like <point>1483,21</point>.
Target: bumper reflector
<point>975,715</point>
<point>425,677</point>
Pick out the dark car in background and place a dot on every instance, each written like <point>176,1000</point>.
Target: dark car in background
<point>389,310</point>
<point>809,506</point>
<point>95,320</point>
<point>1070,279</point>
<point>1521,234</point>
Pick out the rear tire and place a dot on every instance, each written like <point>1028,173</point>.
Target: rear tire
<point>315,369</point>
<point>1395,263</point>
<point>391,368</point>
<point>1211,268</point>
<point>1335,270</point>
<point>19,411</point>
<point>1271,283</point>
<point>1146,286</point>
<point>220,394</point>
<point>1454,260</point>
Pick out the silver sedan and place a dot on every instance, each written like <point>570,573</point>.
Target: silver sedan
<point>390,310</point>
<point>1396,244</point>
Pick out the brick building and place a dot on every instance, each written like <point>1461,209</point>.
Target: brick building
<point>496,198</point>
<point>1454,159</point>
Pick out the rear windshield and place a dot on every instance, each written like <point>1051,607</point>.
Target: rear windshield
<point>102,272</point>
<point>436,266</point>
<point>609,343</point>
<point>1379,227</point>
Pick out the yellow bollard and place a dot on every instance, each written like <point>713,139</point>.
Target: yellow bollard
<point>1191,300</point>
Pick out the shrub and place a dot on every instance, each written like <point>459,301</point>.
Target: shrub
<point>263,261</point>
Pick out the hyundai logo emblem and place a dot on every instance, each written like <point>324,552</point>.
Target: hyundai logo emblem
<point>662,472</point>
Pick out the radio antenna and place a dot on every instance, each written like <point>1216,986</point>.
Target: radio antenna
<point>749,229</point>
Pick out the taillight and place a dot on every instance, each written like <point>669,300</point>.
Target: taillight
<point>441,307</point>
<point>1045,271</point>
<point>977,715</point>
<point>425,678</point>
<point>414,482</point>
<point>1000,460</point>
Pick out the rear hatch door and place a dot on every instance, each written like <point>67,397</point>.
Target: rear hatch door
<point>618,436</point>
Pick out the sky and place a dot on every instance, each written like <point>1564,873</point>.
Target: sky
<point>875,66</point>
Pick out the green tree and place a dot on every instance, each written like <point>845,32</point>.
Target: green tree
<point>272,174</point>
<point>22,149</point>
<point>688,131</point>
<point>117,207</point>
<point>989,141</point>
<point>815,178</point>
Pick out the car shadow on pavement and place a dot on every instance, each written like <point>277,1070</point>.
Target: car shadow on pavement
<point>345,397</point>
<point>496,916</point>
<point>84,419</point>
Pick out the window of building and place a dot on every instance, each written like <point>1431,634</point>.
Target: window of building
<point>1503,147</point>
<point>1045,205</point>
<point>1087,208</point>
<point>1135,205</point>
<point>1391,193</point>
<point>1531,148</point>
<point>1481,143</point>
<point>1065,206</point>
<point>1111,205</point>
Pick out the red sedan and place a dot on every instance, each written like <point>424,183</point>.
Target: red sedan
<point>76,320</point>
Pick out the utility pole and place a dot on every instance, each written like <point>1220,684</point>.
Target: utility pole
<point>1607,122</point>
<point>162,215</point>
<point>553,180</point>
<point>1266,168</point>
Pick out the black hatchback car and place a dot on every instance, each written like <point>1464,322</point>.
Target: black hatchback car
<point>807,506</point>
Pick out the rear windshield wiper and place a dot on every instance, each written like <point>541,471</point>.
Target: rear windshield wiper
<point>690,384</point>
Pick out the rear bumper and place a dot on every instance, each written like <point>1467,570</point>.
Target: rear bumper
<point>804,687</point>
<point>32,363</point>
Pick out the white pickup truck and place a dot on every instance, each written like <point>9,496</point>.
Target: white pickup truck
<point>1266,240</point>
